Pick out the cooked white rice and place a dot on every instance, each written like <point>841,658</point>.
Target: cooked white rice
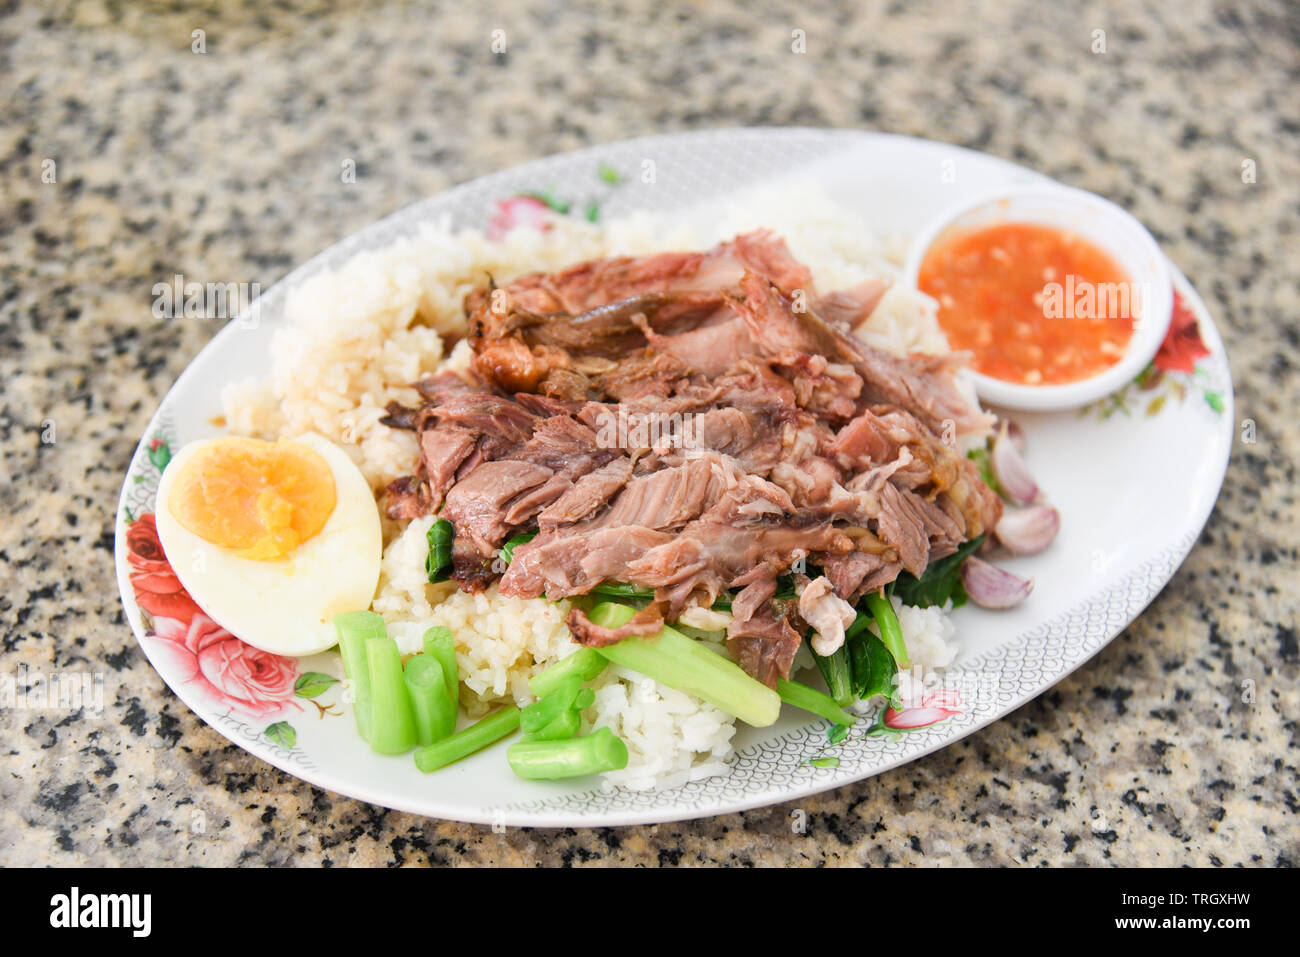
<point>671,737</point>
<point>927,632</point>
<point>354,339</point>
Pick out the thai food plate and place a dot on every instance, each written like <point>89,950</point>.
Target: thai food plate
<point>1133,476</point>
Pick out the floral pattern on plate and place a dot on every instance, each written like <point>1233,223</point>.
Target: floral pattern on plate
<point>1175,372</point>
<point>226,674</point>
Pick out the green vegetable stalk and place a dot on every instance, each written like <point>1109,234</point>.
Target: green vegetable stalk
<point>565,725</point>
<point>835,669</point>
<point>464,743</point>
<point>810,699</point>
<point>440,644</point>
<point>891,632</point>
<point>678,662</point>
<point>585,662</point>
<point>622,590</point>
<point>433,707</point>
<point>545,710</point>
<point>354,629</point>
<point>576,757</point>
<point>392,719</point>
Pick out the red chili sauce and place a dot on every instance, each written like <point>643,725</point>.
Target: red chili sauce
<point>1034,304</point>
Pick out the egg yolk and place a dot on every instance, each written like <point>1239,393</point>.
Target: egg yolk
<point>260,500</point>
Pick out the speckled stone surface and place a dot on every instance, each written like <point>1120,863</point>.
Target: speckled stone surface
<point>226,165</point>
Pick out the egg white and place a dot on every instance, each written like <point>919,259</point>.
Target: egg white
<point>285,606</point>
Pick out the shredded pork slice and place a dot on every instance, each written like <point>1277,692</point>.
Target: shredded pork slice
<point>860,572</point>
<point>692,423</point>
<point>647,621</point>
<point>765,642</point>
<point>586,496</point>
<point>853,306</point>
<point>477,506</point>
<point>443,451</point>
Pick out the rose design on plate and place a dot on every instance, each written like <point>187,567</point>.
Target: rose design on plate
<point>227,673</point>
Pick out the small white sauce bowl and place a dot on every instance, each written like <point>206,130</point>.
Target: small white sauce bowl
<point>1099,221</point>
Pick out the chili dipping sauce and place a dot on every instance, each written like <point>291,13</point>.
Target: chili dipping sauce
<point>1034,304</point>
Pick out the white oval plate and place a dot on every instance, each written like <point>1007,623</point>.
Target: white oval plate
<point>1135,479</point>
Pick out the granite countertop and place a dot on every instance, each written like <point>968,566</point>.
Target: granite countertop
<point>226,164</point>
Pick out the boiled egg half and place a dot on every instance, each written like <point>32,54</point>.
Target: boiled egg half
<point>271,539</point>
